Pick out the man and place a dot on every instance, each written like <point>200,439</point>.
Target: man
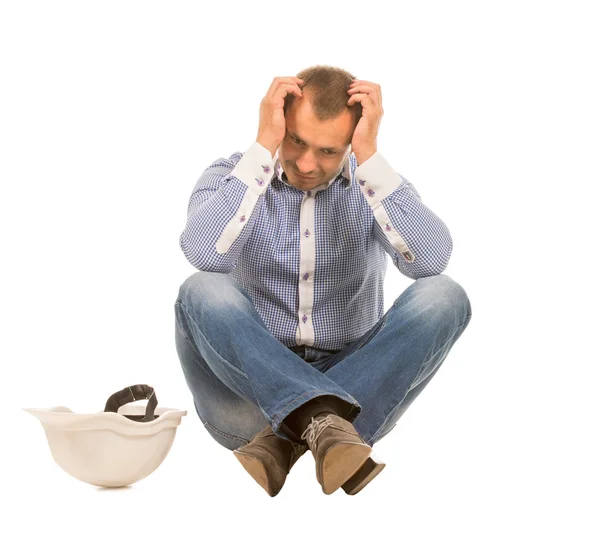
<point>281,332</point>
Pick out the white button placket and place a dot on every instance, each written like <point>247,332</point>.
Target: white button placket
<point>305,333</point>
<point>393,236</point>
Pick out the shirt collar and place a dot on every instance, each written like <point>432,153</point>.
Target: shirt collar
<point>347,172</point>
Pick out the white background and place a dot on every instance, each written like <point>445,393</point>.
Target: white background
<point>110,113</point>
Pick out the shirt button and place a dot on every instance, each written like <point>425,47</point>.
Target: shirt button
<point>362,182</point>
<point>267,169</point>
<point>306,233</point>
<point>304,318</point>
<point>243,218</point>
<point>387,227</point>
<point>308,193</point>
<point>305,276</point>
<point>371,192</point>
<point>260,182</point>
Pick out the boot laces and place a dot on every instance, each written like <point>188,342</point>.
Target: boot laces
<point>315,428</point>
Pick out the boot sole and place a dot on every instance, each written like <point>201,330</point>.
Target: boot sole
<point>370,469</point>
<point>340,462</point>
<point>256,469</point>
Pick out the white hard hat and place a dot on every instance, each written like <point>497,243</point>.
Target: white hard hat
<point>116,447</point>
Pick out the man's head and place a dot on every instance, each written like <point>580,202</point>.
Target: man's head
<point>319,127</point>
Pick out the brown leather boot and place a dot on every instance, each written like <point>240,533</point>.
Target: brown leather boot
<point>269,458</point>
<point>338,449</point>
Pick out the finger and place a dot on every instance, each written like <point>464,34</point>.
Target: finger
<point>363,88</point>
<point>366,86</point>
<point>285,88</point>
<point>357,97</point>
<point>378,92</point>
<point>291,79</point>
<point>277,81</point>
<point>373,94</point>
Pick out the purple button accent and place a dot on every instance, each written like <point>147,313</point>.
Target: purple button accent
<point>267,169</point>
<point>304,318</point>
<point>305,276</point>
<point>362,182</point>
<point>306,233</point>
<point>387,227</point>
<point>371,192</point>
<point>260,182</point>
<point>243,218</point>
<point>308,193</point>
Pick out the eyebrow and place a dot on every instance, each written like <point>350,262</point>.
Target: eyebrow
<point>322,148</point>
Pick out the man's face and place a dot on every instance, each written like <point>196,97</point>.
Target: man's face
<point>317,149</point>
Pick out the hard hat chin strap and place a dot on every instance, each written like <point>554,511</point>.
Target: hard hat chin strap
<point>132,394</point>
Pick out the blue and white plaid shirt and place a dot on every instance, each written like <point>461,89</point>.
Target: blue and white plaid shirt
<point>313,262</point>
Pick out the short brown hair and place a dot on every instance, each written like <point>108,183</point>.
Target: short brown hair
<point>328,92</point>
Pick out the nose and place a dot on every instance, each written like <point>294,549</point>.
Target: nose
<point>306,164</point>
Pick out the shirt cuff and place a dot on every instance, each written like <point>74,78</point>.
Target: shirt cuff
<point>255,168</point>
<point>377,178</point>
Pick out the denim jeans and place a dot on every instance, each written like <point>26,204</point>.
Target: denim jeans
<point>242,378</point>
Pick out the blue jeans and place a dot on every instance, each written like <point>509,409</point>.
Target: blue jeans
<point>242,378</point>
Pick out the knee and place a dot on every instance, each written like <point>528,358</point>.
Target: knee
<point>208,289</point>
<point>444,295</point>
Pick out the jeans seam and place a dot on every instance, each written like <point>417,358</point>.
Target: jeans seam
<point>460,326</point>
<point>177,322</point>
<point>367,340</point>
<point>222,433</point>
<point>371,440</point>
<point>412,386</point>
<point>238,371</point>
<point>191,343</point>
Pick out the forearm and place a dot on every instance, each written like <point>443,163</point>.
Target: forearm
<point>416,238</point>
<point>222,208</point>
